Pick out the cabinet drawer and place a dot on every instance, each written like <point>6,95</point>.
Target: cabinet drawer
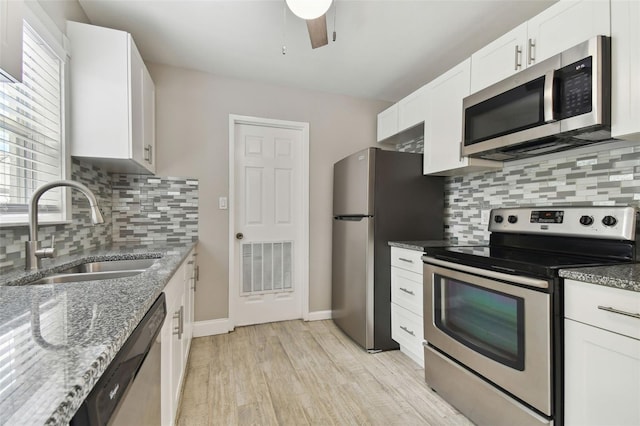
<point>411,260</point>
<point>584,302</point>
<point>406,328</point>
<point>406,289</point>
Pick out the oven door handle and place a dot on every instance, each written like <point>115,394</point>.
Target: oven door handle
<point>488,273</point>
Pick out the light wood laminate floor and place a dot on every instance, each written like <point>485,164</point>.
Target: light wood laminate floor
<point>304,373</point>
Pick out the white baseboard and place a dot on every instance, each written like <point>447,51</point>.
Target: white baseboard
<point>211,327</point>
<point>223,325</point>
<point>319,315</point>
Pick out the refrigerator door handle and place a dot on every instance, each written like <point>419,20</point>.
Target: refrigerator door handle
<point>351,218</point>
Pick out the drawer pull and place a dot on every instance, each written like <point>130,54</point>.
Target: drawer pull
<point>407,291</point>
<point>407,330</point>
<point>617,311</point>
<point>405,260</point>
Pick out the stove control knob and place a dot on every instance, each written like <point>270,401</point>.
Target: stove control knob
<point>512,219</point>
<point>609,221</point>
<point>586,220</point>
<point>498,219</point>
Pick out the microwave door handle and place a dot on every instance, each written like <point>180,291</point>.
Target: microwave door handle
<point>549,93</point>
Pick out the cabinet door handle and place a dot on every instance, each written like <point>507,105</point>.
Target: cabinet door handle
<point>518,59</point>
<point>619,312</point>
<point>407,291</point>
<point>179,329</point>
<point>148,154</point>
<point>405,260</point>
<point>197,273</point>
<point>405,329</point>
<point>176,329</point>
<point>181,321</point>
<point>531,57</point>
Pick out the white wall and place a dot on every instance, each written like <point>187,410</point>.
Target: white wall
<point>192,140</point>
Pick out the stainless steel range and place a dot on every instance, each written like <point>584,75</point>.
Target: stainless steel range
<point>493,314</point>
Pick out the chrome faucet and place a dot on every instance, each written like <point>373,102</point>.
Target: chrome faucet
<point>35,255</point>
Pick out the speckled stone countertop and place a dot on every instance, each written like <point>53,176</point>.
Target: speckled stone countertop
<point>420,245</point>
<point>626,277</point>
<point>57,339</point>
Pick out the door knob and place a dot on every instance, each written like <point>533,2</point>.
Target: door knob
<point>239,236</point>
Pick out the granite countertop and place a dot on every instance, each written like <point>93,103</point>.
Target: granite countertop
<point>626,277</point>
<point>420,245</point>
<point>56,340</point>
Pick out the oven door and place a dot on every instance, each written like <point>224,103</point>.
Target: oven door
<point>493,325</point>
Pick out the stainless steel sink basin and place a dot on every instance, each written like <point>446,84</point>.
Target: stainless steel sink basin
<point>111,265</point>
<point>92,271</point>
<point>85,276</point>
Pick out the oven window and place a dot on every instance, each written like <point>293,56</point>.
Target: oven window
<point>512,111</point>
<point>484,320</point>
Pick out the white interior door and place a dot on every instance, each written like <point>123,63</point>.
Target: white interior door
<point>268,226</point>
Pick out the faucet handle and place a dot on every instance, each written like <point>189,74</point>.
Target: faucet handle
<point>47,252</point>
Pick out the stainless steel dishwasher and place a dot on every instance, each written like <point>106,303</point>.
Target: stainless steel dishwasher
<point>128,393</point>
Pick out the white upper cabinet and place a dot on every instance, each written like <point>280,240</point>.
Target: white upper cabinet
<point>388,122</point>
<point>403,121</point>
<point>625,80</point>
<point>443,125</point>
<point>11,14</point>
<point>499,59</point>
<point>112,100</point>
<point>564,25</point>
<point>558,28</point>
<point>412,109</point>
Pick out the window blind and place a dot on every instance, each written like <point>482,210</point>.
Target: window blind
<point>31,143</point>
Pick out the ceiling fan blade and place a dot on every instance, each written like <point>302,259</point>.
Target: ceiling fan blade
<point>318,31</point>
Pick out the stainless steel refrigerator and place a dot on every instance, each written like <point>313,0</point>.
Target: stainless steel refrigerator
<point>378,196</point>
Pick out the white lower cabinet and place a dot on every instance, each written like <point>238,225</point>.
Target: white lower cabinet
<point>602,355</point>
<point>175,338</point>
<point>190,282</point>
<point>406,302</point>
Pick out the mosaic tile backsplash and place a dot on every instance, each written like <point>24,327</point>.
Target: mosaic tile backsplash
<point>150,209</point>
<point>608,177</point>
<point>136,208</point>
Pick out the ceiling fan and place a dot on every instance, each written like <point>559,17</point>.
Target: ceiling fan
<point>314,12</point>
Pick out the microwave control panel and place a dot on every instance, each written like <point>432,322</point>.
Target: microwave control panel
<point>574,86</point>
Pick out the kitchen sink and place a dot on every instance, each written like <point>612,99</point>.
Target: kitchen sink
<point>111,265</point>
<point>86,276</point>
<point>92,271</point>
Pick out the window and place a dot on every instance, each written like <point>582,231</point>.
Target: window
<point>31,133</point>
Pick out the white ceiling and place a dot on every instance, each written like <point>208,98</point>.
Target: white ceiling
<point>384,49</point>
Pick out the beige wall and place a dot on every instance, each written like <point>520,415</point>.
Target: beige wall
<point>192,124</point>
<point>62,10</point>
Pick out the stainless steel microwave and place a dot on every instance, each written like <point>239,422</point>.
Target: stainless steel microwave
<point>560,103</point>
